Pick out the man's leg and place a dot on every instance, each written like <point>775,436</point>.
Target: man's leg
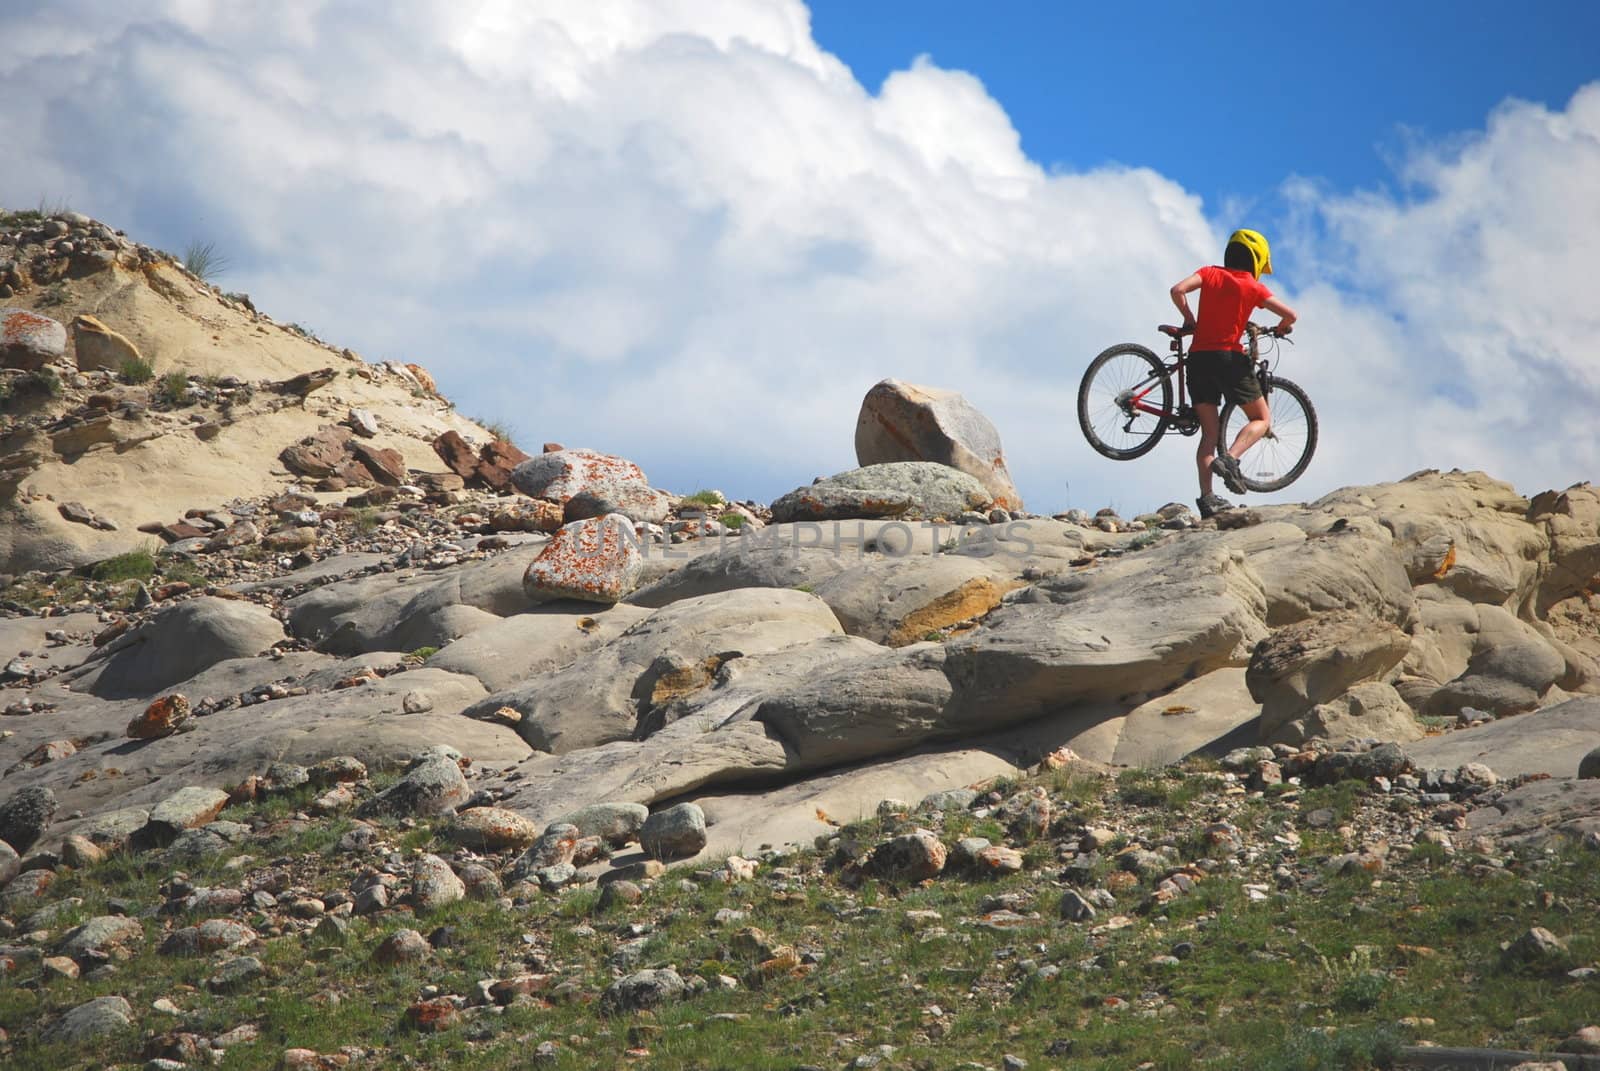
<point>1206,412</point>
<point>1260,422</point>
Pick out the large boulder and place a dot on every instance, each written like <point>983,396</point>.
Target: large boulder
<point>595,560</point>
<point>180,642</point>
<point>829,502</point>
<point>1473,655</point>
<point>745,563</point>
<point>97,346</point>
<point>905,422</point>
<point>1129,630</point>
<point>1371,710</point>
<point>1463,531</point>
<point>403,611</point>
<point>30,341</point>
<point>877,706</point>
<point>562,474</point>
<point>642,504</point>
<point>899,601</point>
<point>603,695</point>
<point>547,638</point>
<point>1510,668</point>
<point>911,489</point>
<point>1317,660</point>
<point>1351,565</point>
<point>1571,519</point>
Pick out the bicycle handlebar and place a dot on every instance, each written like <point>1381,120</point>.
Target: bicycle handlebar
<point>1173,331</point>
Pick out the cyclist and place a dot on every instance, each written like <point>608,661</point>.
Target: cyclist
<point>1217,364</point>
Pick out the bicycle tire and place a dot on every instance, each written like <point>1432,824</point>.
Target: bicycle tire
<point>1105,419</point>
<point>1282,456</point>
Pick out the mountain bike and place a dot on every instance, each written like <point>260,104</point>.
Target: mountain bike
<point>1125,406</point>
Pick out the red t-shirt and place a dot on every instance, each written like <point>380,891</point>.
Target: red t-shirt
<point>1227,298</point>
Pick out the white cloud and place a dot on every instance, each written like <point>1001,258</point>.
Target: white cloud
<point>683,232</point>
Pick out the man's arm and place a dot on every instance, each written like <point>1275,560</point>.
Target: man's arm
<point>1286,315</point>
<point>1180,297</point>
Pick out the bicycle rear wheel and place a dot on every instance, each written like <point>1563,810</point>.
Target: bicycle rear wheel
<point>1114,383</point>
<point>1281,457</point>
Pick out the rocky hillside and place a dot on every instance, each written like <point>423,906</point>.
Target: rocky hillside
<point>132,392</point>
<point>253,578</point>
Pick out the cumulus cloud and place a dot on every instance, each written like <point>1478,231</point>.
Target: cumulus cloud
<point>683,232</point>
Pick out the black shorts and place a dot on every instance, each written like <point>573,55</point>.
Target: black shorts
<point>1213,373</point>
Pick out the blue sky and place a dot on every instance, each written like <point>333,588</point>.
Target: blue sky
<point>696,232</point>
<point>1232,105</point>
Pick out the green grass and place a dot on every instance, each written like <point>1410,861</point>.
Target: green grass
<point>174,388</point>
<point>137,370</point>
<point>204,261</point>
<point>134,565</point>
<point>40,381</point>
<point>733,520</point>
<point>1321,976</point>
<point>705,498</point>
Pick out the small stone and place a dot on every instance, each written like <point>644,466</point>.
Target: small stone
<point>79,851</point>
<point>916,856</point>
<point>1537,947</point>
<point>26,815</point>
<point>434,884</point>
<point>61,967</point>
<point>644,870</point>
<point>675,833</point>
<point>402,946</point>
<point>236,974</point>
<point>99,1018</point>
<point>641,990</point>
<point>619,892</point>
<point>161,718</point>
<point>1074,908</point>
<point>491,829</point>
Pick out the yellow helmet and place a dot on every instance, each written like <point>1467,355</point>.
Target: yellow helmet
<point>1260,252</point>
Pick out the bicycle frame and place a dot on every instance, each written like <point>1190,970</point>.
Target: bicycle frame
<point>1183,416</point>
<point>1137,401</point>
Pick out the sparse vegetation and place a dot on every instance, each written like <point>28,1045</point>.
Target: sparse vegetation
<point>733,520</point>
<point>52,206</point>
<point>53,295</point>
<point>137,370</point>
<point>40,381</point>
<point>204,261</point>
<point>1143,540</point>
<point>134,565</point>
<point>708,499</point>
<point>825,962</point>
<point>174,388</point>
<point>422,654</point>
<point>498,430</point>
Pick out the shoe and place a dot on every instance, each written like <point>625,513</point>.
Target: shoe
<point>1227,466</point>
<point>1211,505</point>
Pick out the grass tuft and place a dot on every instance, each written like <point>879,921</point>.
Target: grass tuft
<point>204,261</point>
<point>174,388</point>
<point>134,565</point>
<point>137,370</point>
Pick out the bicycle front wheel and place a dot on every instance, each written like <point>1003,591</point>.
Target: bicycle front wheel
<point>1125,402</point>
<point>1281,457</point>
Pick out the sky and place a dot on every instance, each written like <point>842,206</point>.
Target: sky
<point>695,232</point>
